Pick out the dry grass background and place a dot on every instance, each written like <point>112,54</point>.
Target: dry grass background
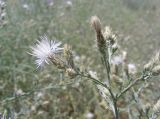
<point>135,21</point>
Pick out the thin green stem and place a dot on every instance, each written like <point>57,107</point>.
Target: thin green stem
<point>107,66</point>
<point>32,91</point>
<point>106,58</point>
<point>114,104</point>
<point>94,80</point>
<point>114,99</point>
<point>130,85</point>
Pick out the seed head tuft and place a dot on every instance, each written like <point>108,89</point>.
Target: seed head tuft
<point>44,50</point>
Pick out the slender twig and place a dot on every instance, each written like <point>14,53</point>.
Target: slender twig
<point>130,85</point>
<point>34,90</point>
<point>94,80</point>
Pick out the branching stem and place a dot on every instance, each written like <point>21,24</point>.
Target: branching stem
<point>131,85</point>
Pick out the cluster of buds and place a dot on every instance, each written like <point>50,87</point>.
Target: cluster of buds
<point>154,65</point>
<point>2,13</point>
<point>105,39</point>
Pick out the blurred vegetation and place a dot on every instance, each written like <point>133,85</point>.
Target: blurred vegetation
<point>135,21</point>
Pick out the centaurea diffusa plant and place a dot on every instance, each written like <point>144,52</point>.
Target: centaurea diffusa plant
<point>116,83</point>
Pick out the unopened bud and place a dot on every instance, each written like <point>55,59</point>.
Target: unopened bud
<point>154,61</point>
<point>57,62</point>
<point>148,66</point>
<point>93,74</point>
<point>114,48</point>
<point>107,32</point>
<point>157,57</point>
<point>95,23</point>
<point>124,55</point>
<point>114,69</point>
<point>109,36</point>
<point>156,70</point>
<point>101,42</point>
<point>112,39</point>
<point>71,72</point>
<point>156,107</point>
<point>68,55</point>
<point>116,79</point>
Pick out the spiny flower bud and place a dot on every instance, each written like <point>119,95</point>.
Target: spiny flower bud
<point>93,74</point>
<point>124,56</point>
<point>114,48</point>
<point>68,55</point>
<point>156,70</point>
<point>155,60</point>
<point>125,65</point>
<point>132,68</point>
<point>112,39</point>
<point>101,42</point>
<point>107,32</point>
<point>109,35</point>
<point>103,91</point>
<point>95,23</point>
<point>58,62</point>
<point>157,57</point>
<point>148,66</point>
<point>116,79</point>
<point>156,107</point>
<point>114,69</point>
<point>71,72</point>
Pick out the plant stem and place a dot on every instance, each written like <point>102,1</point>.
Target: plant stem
<point>94,80</point>
<point>109,89</point>
<point>107,66</point>
<point>114,104</point>
<point>32,91</point>
<point>114,99</point>
<point>116,109</point>
<point>129,86</point>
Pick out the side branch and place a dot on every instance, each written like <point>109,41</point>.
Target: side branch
<point>130,85</point>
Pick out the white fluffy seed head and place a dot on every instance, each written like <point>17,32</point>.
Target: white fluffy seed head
<point>44,49</point>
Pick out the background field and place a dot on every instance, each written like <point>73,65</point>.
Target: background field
<point>137,23</point>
